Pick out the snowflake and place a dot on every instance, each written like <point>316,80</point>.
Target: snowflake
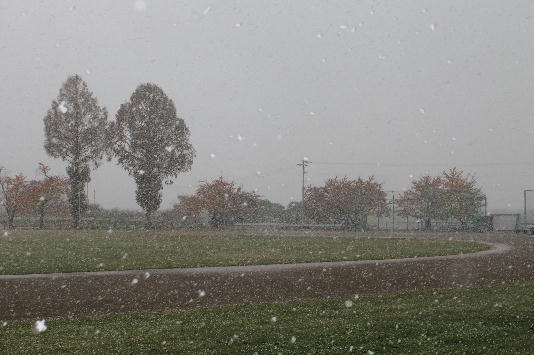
<point>62,107</point>
<point>39,326</point>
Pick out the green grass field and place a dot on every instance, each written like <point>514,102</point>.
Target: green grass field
<point>25,252</point>
<point>491,320</point>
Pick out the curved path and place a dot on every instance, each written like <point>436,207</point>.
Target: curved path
<point>510,259</point>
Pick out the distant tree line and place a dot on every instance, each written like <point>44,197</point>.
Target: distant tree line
<point>340,201</point>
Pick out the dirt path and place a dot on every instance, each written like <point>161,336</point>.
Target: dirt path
<point>90,293</point>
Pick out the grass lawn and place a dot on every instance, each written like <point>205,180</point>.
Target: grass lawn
<point>492,320</point>
<point>25,252</point>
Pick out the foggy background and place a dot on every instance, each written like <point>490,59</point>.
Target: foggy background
<point>393,89</point>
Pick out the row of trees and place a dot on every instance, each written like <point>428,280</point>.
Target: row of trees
<point>450,196</point>
<point>341,201</point>
<point>147,137</point>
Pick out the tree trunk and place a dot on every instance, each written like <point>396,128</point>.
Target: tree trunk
<point>428,224</point>
<point>79,176</point>
<point>148,216</point>
<point>10,218</point>
<point>75,212</point>
<point>364,222</point>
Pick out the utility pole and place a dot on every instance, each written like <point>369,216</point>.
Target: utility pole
<point>304,163</point>
<point>393,209</point>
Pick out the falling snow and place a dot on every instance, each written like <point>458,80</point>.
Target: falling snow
<point>39,326</point>
<point>62,107</point>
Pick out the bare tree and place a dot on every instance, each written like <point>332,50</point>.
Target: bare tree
<point>76,132</point>
<point>151,143</point>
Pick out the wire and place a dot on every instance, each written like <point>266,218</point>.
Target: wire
<point>379,165</point>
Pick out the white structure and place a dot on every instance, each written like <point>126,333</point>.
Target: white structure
<point>505,221</point>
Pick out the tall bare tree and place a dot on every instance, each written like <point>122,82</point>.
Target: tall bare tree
<point>151,143</point>
<point>76,132</point>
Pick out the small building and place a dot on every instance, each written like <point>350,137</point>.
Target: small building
<point>505,221</point>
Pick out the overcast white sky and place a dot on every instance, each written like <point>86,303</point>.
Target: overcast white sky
<point>391,88</point>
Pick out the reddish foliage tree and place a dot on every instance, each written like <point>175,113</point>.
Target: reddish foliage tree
<point>49,194</point>
<point>17,196</point>
<point>462,197</point>
<point>451,195</point>
<point>345,201</point>
<point>225,202</point>
<point>424,200</point>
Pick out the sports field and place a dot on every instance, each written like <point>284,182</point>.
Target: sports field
<point>29,252</point>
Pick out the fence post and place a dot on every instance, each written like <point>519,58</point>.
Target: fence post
<point>393,211</point>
